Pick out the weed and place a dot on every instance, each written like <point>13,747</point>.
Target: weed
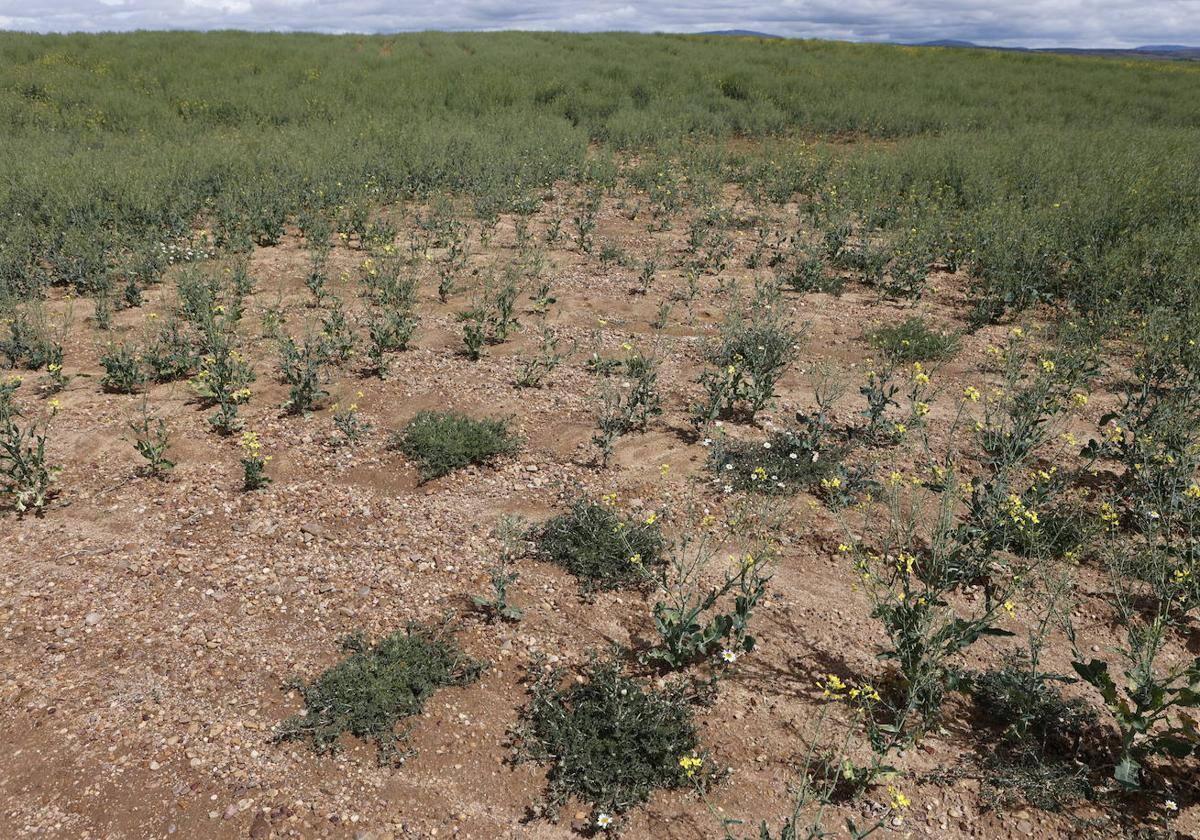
<point>443,441</point>
<point>600,547</point>
<point>913,340</point>
<point>376,687</point>
<point>610,741</point>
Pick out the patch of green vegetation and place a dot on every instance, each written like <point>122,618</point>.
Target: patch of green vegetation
<point>376,687</point>
<point>1040,737</point>
<point>441,442</point>
<point>786,462</point>
<point>913,340</point>
<point>601,548</point>
<point>609,740</point>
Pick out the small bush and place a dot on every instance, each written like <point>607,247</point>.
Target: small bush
<point>441,442</point>
<point>122,372</point>
<point>787,462</point>
<point>375,687</point>
<point>609,740</point>
<point>913,341</point>
<point>601,548</point>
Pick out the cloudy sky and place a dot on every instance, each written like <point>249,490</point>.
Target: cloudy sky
<point>1035,23</point>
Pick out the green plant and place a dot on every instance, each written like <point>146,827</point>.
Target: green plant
<point>300,366</point>
<point>122,373</point>
<point>602,548</point>
<point>610,741</point>
<point>254,463</point>
<point>376,687</point>
<point>750,359</point>
<point>694,620</point>
<point>152,439</point>
<point>510,533</point>
<point>170,354</point>
<point>28,477</point>
<point>224,381</point>
<point>443,441</point>
<point>913,340</point>
<point>348,421</point>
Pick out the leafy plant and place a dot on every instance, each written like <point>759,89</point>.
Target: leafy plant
<point>122,373</point>
<point>602,548</point>
<point>376,687</point>
<point>152,439</point>
<point>609,740</point>
<point>443,441</point>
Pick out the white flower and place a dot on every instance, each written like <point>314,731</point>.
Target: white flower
<point>707,442</point>
<point>793,456</point>
<point>729,656</point>
<point>816,455</point>
<point>1170,805</point>
<point>729,466</point>
<point>766,444</point>
<point>603,821</point>
<point>728,488</point>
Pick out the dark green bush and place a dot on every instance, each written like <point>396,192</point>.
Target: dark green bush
<point>601,548</point>
<point>376,687</point>
<point>609,740</point>
<point>443,441</point>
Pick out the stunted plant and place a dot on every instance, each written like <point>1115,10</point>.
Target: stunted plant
<point>27,476</point>
<point>254,462</point>
<point>629,406</point>
<point>301,367</point>
<point>152,439</point>
<point>753,353</point>
<point>510,532</point>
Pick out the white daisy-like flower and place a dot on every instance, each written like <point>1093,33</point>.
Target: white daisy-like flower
<point>1170,805</point>
<point>728,488</point>
<point>766,444</point>
<point>729,656</point>
<point>603,821</point>
<point>793,456</point>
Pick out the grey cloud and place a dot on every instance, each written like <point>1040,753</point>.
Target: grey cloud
<point>1094,23</point>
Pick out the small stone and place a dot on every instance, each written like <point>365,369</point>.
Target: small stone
<point>92,619</point>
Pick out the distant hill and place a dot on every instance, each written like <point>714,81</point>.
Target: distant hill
<point>1169,52</point>
<point>744,33</point>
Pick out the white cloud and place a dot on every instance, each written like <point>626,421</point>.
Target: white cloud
<point>1096,23</point>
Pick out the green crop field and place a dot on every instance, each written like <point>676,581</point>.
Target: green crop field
<point>505,435</point>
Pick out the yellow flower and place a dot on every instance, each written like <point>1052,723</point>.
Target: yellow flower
<point>1192,492</point>
<point>690,764</point>
<point>920,409</point>
<point>652,518</point>
<point>899,800</point>
<point>663,469</point>
<point>833,686</point>
<point>1079,400</point>
<point>971,393</point>
<point>1010,608</point>
<point>1047,366</point>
